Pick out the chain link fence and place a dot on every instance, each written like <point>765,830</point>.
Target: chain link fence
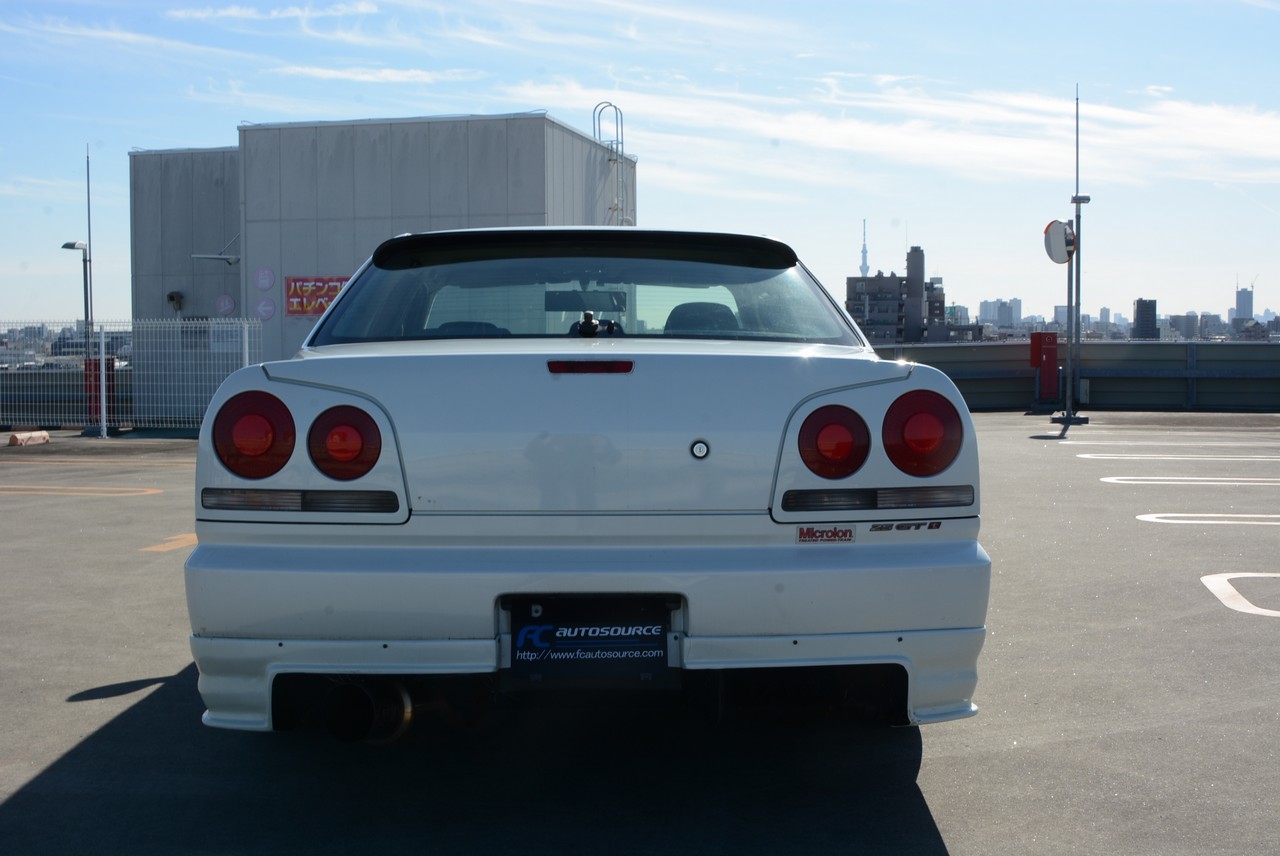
<point>139,374</point>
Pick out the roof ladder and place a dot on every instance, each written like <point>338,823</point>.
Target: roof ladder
<point>618,210</point>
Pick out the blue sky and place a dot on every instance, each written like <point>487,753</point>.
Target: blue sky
<point>943,124</point>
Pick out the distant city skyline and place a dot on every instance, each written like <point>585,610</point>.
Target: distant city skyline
<point>1229,311</point>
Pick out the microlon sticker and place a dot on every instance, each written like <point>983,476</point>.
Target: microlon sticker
<point>824,534</point>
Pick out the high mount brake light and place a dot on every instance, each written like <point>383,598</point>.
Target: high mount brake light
<point>922,433</point>
<point>834,442</point>
<point>253,434</point>
<point>344,442</point>
<point>590,366</point>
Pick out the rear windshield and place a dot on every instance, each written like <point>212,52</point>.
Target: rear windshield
<point>591,295</point>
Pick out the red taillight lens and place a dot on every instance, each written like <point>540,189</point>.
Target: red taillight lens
<point>253,434</point>
<point>344,442</point>
<point>922,433</point>
<point>834,442</point>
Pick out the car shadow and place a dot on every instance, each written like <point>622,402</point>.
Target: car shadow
<point>535,780</point>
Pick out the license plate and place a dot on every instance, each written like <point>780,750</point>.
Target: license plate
<point>560,641</point>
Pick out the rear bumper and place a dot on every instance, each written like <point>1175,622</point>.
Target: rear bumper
<point>262,611</point>
<point>236,675</point>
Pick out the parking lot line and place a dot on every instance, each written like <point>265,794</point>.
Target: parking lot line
<point>173,542</point>
<point>1214,519</point>
<point>1220,585</point>
<point>76,490</point>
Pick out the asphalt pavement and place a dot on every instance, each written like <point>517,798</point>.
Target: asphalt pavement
<point>1129,693</point>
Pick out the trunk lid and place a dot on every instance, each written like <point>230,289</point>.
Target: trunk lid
<point>489,428</point>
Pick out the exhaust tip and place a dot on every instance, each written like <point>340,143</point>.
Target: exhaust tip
<point>368,711</point>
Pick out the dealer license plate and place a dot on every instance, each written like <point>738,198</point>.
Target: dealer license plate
<point>575,641</point>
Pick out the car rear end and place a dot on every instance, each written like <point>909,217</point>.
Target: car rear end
<point>582,512</point>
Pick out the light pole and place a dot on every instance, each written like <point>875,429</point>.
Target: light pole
<point>1077,200</point>
<point>1062,243</point>
<point>88,307</point>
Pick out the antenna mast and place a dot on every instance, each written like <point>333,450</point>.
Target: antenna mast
<point>864,268</point>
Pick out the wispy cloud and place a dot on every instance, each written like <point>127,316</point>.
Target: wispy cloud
<point>234,93</point>
<point>382,75</point>
<point>984,135</point>
<point>341,23</point>
<point>518,35</point>
<point>252,13</point>
<point>726,21</point>
<point>41,188</point>
<point>63,31</point>
<point>605,28</point>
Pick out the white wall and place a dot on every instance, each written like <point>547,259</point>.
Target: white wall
<point>315,200</point>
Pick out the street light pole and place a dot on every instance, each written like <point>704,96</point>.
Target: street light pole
<point>88,312</point>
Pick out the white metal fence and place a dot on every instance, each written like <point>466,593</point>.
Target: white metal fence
<point>138,374</point>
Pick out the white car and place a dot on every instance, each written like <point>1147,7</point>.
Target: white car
<point>531,460</point>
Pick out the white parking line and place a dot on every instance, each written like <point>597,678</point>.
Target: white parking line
<point>1214,519</point>
<point>1192,480</point>
<point>1181,457</point>
<point>1194,444</point>
<point>1220,585</point>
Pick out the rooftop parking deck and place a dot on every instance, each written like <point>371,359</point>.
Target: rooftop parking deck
<point>1129,693</point>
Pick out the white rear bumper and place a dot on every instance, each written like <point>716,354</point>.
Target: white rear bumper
<point>262,611</point>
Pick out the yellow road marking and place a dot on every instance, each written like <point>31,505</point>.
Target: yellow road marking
<point>69,490</point>
<point>173,542</point>
<point>46,460</point>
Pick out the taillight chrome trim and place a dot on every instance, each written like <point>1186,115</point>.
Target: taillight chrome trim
<point>310,501</point>
<point>878,499</point>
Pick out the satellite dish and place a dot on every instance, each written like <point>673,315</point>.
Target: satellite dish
<point>1059,241</point>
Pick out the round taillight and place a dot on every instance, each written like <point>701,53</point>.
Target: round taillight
<point>922,433</point>
<point>253,434</point>
<point>834,442</point>
<point>344,442</point>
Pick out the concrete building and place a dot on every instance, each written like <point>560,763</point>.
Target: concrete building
<point>1244,303</point>
<point>1213,327</point>
<point>1000,313</point>
<point>272,228</point>
<point>1145,325</point>
<point>896,308</point>
<point>1187,326</point>
<point>1243,315</point>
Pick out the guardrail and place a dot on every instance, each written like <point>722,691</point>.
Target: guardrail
<point>161,374</point>
<point>1124,375</point>
<point>148,374</point>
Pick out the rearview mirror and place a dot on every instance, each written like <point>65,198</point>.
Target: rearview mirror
<point>586,301</point>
